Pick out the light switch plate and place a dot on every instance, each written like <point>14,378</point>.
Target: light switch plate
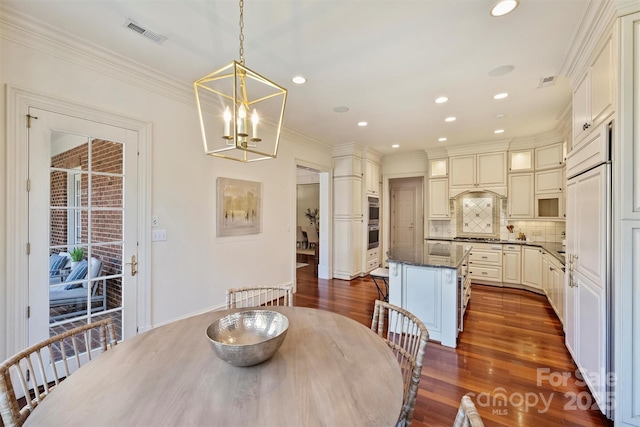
<point>159,235</point>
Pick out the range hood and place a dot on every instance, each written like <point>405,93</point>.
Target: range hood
<point>478,215</point>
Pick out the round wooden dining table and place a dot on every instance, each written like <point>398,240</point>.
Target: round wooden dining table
<point>329,371</point>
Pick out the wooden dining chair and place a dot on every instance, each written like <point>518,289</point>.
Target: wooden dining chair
<point>256,296</point>
<point>467,414</point>
<point>407,337</point>
<point>30,375</point>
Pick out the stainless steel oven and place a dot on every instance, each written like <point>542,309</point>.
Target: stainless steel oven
<point>374,211</point>
<point>373,232</point>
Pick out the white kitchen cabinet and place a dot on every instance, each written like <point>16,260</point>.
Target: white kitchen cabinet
<point>373,259</point>
<point>462,171</point>
<point>348,249</point>
<point>594,96</point>
<point>438,168</point>
<point>549,206</point>
<point>550,181</point>
<point>545,276</point>
<point>532,266</point>
<point>372,177</point>
<point>626,235</point>
<point>520,196</point>
<point>439,199</point>
<point>521,160</point>
<point>485,263</point>
<point>549,156</point>
<point>479,171</point>
<point>511,263</point>
<point>432,294</point>
<point>556,283</point>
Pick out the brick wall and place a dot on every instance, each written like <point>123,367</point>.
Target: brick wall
<point>106,192</point>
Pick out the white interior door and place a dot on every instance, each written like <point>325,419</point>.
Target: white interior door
<point>83,196</point>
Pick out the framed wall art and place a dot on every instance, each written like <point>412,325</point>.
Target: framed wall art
<point>239,207</point>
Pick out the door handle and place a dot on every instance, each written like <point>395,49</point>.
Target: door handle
<point>134,265</point>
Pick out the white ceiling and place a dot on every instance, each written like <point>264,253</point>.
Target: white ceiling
<point>385,60</point>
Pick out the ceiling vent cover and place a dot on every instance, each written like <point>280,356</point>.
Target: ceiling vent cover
<point>547,81</point>
<point>156,38</point>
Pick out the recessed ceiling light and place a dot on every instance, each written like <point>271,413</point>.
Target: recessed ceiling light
<point>501,95</point>
<point>441,100</point>
<point>341,109</point>
<point>299,80</point>
<point>501,70</point>
<point>395,146</point>
<point>362,124</point>
<point>500,116</point>
<point>498,131</point>
<point>503,7</point>
<point>450,119</point>
<point>443,139</point>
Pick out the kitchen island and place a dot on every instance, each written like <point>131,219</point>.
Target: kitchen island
<point>431,281</point>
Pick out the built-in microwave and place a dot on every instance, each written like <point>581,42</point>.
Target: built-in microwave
<point>374,211</point>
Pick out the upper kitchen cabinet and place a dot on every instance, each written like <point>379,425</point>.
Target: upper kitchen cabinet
<point>438,168</point>
<point>549,157</point>
<point>594,96</point>
<point>439,198</point>
<point>372,177</point>
<point>521,196</point>
<point>371,173</point>
<point>521,160</point>
<point>484,171</point>
<point>551,181</point>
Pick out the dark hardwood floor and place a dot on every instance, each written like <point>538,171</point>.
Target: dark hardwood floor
<point>511,356</point>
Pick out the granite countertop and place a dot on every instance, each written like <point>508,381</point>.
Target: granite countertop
<point>551,248</point>
<point>446,254</point>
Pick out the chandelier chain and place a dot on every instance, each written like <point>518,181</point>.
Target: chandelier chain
<point>242,32</point>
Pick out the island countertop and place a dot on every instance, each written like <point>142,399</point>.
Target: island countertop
<point>429,254</point>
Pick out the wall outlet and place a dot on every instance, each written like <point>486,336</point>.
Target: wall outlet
<point>155,221</point>
<point>536,233</point>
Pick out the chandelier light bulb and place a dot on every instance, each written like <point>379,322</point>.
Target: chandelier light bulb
<point>242,121</point>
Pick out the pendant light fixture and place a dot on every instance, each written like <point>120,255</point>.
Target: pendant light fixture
<point>240,111</point>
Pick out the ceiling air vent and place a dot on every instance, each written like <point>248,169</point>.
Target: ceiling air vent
<point>547,81</point>
<point>157,38</point>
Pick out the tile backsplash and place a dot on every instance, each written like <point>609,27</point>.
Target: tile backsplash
<point>537,231</point>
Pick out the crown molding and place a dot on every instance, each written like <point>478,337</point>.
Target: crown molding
<point>483,147</point>
<point>348,149</point>
<point>598,19</point>
<point>436,153</point>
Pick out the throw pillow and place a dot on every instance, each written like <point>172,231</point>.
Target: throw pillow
<point>77,273</point>
<point>56,262</point>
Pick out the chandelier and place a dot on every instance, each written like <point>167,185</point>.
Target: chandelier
<point>240,111</point>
